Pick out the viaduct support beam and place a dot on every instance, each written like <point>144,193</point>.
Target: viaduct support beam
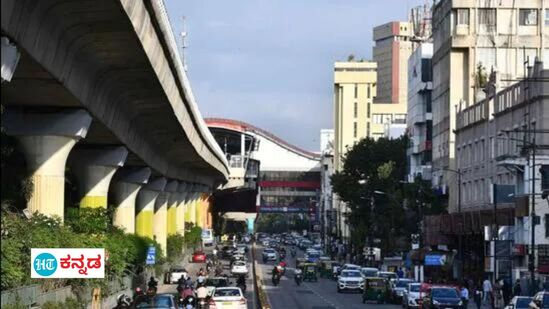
<point>125,186</point>
<point>144,207</point>
<point>160,219</point>
<point>94,169</point>
<point>46,140</point>
<point>179,213</point>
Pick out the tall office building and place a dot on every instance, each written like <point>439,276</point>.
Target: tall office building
<point>393,47</point>
<point>470,39</point>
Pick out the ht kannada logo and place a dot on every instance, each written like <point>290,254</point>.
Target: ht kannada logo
<point>45,264</point>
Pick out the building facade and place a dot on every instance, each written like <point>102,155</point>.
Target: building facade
<point>419,118</point>
<point>470,39</point>
<point>391,51</point>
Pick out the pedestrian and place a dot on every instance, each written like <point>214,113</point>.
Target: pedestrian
<point>478,297</point>
<point>506,290</point>
<point>546,284</point>
<point>486,292</point>
<point>464,294</point>
<point>498,295</point>
<point>400,273</point>
<point>517,289</point>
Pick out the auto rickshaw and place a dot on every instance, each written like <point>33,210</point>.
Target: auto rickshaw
<point>309,271</point>
<point>300,261</point>
<point>375,289</point>
<point>326,270</point>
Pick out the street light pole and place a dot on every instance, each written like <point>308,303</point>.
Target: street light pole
<point>533,214</point>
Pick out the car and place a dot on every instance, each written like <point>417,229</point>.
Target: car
<point>389,275</point>
<point>199,257</point>
<point>540,300</point>
<point>158,301</point>
<point>228,298</point>
<point>411,297</point>
<point>398,287</point>
<point>227,252</point>
<point>216,282</point>
<point>312,256</point>
<point>269,254</point>
<point>519,302</point>
<point>350,267</point>
<point>238,257</point>
<point>350,279</point>
<point>176,273</point>
<point>369,272</point>
<point>239,268</point>
<point>240,249</point>
<point>442,297</point>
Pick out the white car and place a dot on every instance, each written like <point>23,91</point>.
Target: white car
<point>239,268</point>
<point>350,280</point>
<point>240,249</point>
<point>350,267</point>
<point>269,254</point>
<point>368,272</point>
<point>229,297</point>
<point>176,274</point>
<point>411,296</point>
<point>398,288</point>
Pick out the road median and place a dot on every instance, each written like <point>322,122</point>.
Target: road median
<point>262,298</point>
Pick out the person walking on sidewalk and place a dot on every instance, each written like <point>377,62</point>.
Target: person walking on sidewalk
<point>487,292</point>
<point>478,297</point>
<point>517,289</point>
<point>464,294</point>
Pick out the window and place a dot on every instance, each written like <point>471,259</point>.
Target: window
<point>546,225</point>
<point>399,118</point>
<point>528,17</point>
<point>356,91</point>
<point>368,90</point>
<point>462,17</point>
<point>486,20</point>
<point>356,110</point>
<point>382,118</point>
<point>544,171</point>
<point>354,130</point>
<point>368,129</point>
<point>547,17</point>
<point>368,109</point>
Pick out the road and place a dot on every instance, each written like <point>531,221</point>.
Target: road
<point>193,268</point>
<point>314,295</point>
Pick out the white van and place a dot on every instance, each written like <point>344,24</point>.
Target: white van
<point>207,237</point>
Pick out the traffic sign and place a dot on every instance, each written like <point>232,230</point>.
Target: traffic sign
<point>151,255</point>
<point>435,260</point>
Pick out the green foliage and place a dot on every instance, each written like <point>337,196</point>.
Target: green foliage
<point>193,235</point>
<point>481,76</point>
<point>380,165</point>
<point>278,223</point>
<point>68,303</point>
<point>175,244</point>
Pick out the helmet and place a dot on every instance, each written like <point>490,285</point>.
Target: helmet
<point>138,289</point>
<point>200,280</point>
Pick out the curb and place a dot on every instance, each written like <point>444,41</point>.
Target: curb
<point>261,295</point>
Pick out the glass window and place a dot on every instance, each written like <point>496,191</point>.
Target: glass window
<point>382,118</point>
<point>547,17</point>
<point>487,20</point>
<point>368,128</point>
<point>368,88</point>
<point>544,170</point>
<point>528,17</point>
<point>356,109</point>
<point>368,109</point>
<point>356,91</point>
<point>462,17</point>
<point>354,130</point>
<point>399,118</point>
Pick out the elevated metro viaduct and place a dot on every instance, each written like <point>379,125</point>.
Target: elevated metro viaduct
<point>288,178</point>
<point>98,87</point>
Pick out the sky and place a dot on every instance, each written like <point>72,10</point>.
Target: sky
<point>270,62</point>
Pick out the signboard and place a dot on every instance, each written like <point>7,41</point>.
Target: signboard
<point>151,255</point>
<point>67,263</point>
<point>277,209</point>
<point>435,260</point>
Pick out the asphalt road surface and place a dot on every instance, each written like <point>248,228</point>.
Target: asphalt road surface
<point>314,295</point>
<point>193,268</point>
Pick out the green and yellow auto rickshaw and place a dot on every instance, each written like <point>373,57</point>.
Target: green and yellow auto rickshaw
<point>326,268</point>
<point>375,289</point>
<point>300,261</point>
<point>309,272</point>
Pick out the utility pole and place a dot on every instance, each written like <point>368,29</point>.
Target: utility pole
<point>531,264</point>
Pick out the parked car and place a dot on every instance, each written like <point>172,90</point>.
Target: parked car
<point>519,302</point>
<point>199,257</point>
<point>229,297</point>
<point>239,268</point>
<point>540,300</point>
<point>411,296</point>
<point>350,280</point>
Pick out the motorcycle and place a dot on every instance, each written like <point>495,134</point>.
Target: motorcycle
<point>188,302</point>
<point>293,253</point>
<point>298,278</point>
<point>151,291</point>
<point>202,303</point>
<point>276,279</point>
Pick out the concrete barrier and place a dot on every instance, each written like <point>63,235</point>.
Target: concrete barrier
<point>262,298</point>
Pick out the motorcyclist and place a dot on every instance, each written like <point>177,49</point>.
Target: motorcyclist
<point>201,292</point>
<point>153,285</point>
<point>241,283</point>
<point>293,252</point>
<point>123,301</point>
<point>138,292</point>
<point>187,291</point>
<point>201,272</point>
<point>298,275</point>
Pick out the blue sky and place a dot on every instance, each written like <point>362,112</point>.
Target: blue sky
<point>270,63</point>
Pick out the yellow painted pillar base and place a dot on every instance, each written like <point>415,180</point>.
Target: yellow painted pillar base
<point>172,220</point>
<point>125,187</point>
<point>94,202</point>
<point>144,223</point>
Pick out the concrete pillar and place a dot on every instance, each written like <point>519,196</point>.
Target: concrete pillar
<point>160,218</point>
<point>46,140</point>
<point>94,169</point>
<point>180,208</point>
<point>124,187</point>
<point>172,202</point>
<point>145,204</point>
<point>10,59</point>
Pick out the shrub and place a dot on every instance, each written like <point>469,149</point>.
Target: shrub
<point>175,244</point>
